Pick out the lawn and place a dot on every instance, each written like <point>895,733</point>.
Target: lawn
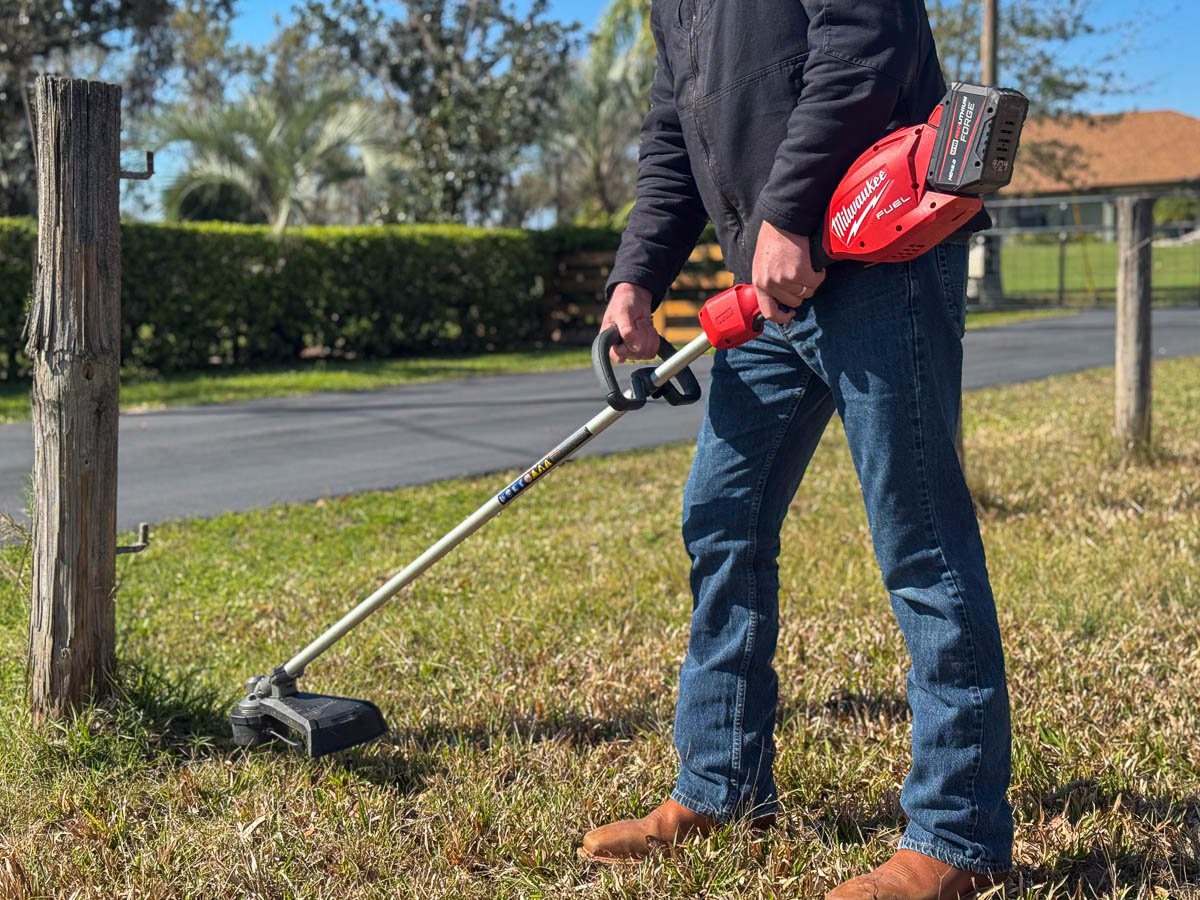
<point>1030,271</point>
<point>978,319</point>
<point>140,391</point>
<point>529,682</point>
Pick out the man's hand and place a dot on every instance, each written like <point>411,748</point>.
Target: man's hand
<point>783,273</point>
<point>629,310</point>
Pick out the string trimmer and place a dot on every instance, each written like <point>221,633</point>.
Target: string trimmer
<point>904,195</point>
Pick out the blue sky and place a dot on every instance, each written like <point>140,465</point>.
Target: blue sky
<point>1164,66</point>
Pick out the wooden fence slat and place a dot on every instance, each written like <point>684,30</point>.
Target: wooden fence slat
<point>681,335</point>
<point>578,291</point>
<point>680,307</point>
<point>590,283</point>
<point>706,253</point>
<point>587,259</point>
<point>703,281</point>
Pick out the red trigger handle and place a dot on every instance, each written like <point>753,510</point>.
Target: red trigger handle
<point>731,318</point>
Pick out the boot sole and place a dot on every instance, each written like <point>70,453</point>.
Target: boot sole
<point>758,826</point>
<point>610,861</point>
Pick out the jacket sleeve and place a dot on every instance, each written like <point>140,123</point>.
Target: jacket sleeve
<point>668,215</point>
<point>862,55</point>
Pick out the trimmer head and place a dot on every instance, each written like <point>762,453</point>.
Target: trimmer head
<point>317,723</point>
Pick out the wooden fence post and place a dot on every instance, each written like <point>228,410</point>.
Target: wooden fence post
<point>1135,231</point>
<point>74,345</point>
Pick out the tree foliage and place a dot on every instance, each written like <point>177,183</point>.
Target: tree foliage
<point>589,157</point>
<point>208,60</point>
<point>134,37</point>
<point>279,153</point>
<point>1054,51</point>
<point>472,86</point>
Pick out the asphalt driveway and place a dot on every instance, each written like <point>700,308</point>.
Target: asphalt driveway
<point>200,461</point>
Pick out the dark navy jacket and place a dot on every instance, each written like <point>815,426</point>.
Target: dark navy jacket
<point>758,108</point>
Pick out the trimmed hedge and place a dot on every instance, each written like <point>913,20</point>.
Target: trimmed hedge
<point>195,295</point>
<point>18,243</point>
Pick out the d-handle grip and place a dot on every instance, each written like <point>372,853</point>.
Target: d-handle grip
<point>642,383</point>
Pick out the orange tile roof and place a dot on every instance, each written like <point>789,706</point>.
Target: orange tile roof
<point>1115,152</point>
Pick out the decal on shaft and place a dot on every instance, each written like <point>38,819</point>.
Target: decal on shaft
<point>551,459</point>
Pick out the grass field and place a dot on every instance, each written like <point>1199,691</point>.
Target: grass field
<point>979,319</point>
<point>529,683</point>
<point>1030,271</point>
<point>140,391</point>
<point>192,388</point>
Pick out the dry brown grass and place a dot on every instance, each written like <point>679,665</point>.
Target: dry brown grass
<point>529,682</point>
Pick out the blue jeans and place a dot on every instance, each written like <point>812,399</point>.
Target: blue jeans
<point>881,346</point>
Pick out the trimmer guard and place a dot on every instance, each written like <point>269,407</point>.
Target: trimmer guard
<point>321,724</point>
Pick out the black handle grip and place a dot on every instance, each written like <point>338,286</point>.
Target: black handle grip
<point>602,366</point>
<point>690,392</point>
<point>642,382</point>
<point>820,259</point>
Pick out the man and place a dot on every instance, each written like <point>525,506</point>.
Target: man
<point>758,108</point>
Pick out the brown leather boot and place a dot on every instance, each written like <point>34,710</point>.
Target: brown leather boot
<point>630,840</point>
<point>914,876</point>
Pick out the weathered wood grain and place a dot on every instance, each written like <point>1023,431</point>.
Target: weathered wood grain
<point>1135,231</point>
<point>74,344</point>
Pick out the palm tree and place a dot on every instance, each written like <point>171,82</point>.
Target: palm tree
<point>597,144</point>
<point>589,159</point>
<point>286,152</point>
<point>624,44</point>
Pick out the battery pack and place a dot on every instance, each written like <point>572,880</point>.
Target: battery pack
<point>977,137</point>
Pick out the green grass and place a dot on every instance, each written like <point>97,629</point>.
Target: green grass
<point>1031,271</point>
<point>140,392</point>
<point>992,318</point>
<point>529,681</point>
<point>191,388</point>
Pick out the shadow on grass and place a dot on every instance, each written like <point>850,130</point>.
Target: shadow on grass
<point>173,721</point>
<point>149,720</point>
<point>177,716</point>
<point>1162,851</point>
<point>563,727</point>
<point>407,757</point>
<point>1105,872</point>
<point>857,820</point>
<point>994,505</point>
<point>1159,849</point>
<point>857,707</point>
<point>169,721</point>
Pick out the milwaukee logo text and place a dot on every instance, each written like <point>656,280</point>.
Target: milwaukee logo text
<point>847,222</point>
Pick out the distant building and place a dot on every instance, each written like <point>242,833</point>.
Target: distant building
<point>1151,153</point>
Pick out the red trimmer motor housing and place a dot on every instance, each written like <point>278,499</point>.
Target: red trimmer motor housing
<point>917,186</point>
<point>905,194</point>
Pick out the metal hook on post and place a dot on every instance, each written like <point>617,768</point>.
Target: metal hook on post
<point>143,540</point>
<point>141,176</point>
